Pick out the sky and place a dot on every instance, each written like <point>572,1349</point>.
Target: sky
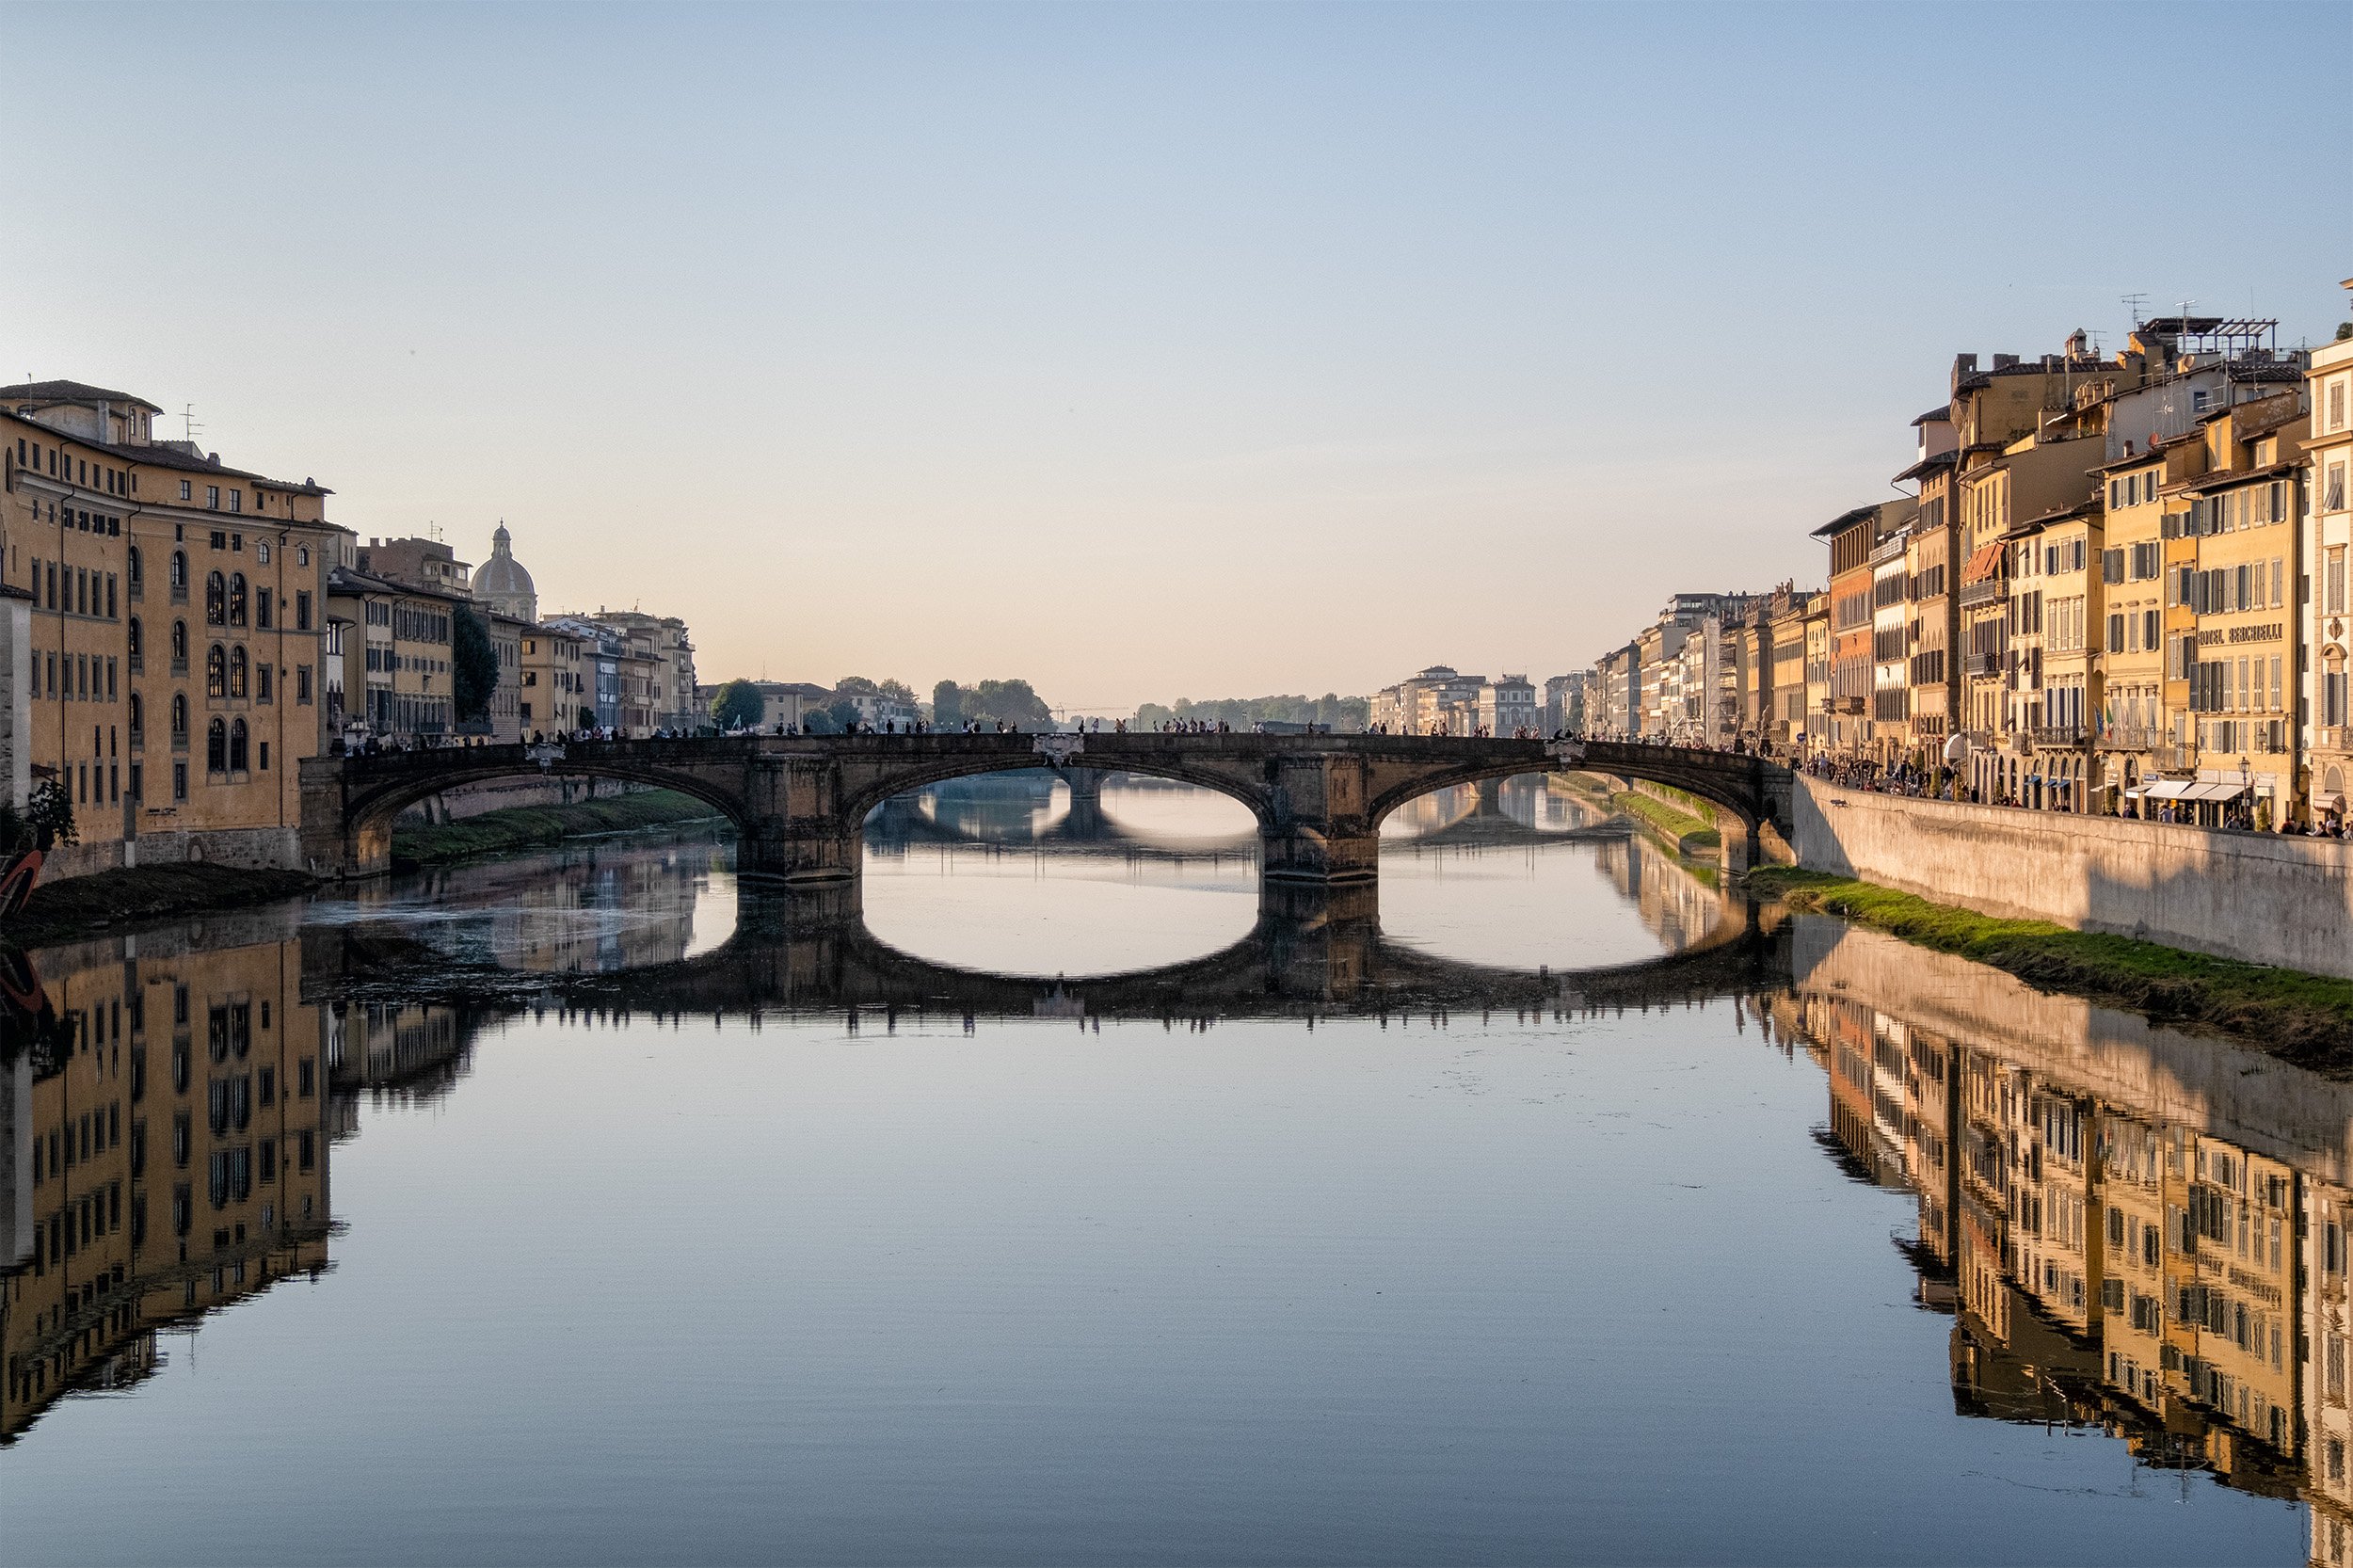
<point>1140,352</point>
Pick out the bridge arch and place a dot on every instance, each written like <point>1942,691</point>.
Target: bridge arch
<point>859,802</point>
<point>371,806</point>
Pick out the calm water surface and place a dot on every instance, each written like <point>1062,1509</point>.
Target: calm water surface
<point>1063,1204</point>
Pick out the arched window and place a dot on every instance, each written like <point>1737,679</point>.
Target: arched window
<point>236,599</point>
<point>137,642</point>
<point>216,672</point>
<point>236,746</point>
<point>179,575</point>
<point>179,718</point>
<point>137,572</point>
<point>216,747</point>
<point>215,599</point>
<point>179,648</point>
<point>237,671</point>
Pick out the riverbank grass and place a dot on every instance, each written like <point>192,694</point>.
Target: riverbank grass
<point>536,826</point>
<point>1688,832</point>
<point>2305,1018</point>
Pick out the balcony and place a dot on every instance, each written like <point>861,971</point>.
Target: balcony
<point>2131,737</point>
<point>179,593</point>
<point>2333,737</point>
<point>1974,594</point>
<point>2058,736</point>
<point>1982,665</point>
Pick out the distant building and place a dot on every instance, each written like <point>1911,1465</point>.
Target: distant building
<point>1507,705</point>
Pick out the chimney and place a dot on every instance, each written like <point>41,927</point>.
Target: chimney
<point>1964,366</point>
<point>2004,362</point>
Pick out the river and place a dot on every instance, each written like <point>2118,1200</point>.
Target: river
<point>1057,1200</point>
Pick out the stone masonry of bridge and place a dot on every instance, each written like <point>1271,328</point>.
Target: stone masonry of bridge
<point>800,802</point>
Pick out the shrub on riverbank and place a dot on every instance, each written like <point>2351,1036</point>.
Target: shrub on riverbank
<point>532,827</point>
<point>2304,1018</point>
<point>83,905</point>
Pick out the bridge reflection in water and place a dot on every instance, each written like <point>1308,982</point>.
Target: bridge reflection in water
<point>2132,1230</point>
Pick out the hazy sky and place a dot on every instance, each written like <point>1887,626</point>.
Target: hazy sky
<point>1141,352</point>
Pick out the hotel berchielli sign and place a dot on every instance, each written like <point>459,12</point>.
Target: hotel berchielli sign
<point>2266,631</point>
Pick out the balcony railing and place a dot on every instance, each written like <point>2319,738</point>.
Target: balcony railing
<point>2130,737</point>
<point>1981,663</point>
<point>2058,734</point>
<point>1974,594</point>
<point>2333,737</point>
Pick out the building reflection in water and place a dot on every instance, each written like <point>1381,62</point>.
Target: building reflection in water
<point>2133,1229</point>
<point>164,1121</point>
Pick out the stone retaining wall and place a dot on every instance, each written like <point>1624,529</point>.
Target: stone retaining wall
<point>2256,896</point>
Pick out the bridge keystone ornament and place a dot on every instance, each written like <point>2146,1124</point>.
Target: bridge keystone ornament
<point>546,756</point>
<point>1567,753</point>
<point>1060,749</point>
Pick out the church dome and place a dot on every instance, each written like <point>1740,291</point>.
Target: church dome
<point>502,583</point>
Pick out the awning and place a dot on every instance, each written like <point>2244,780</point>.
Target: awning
<point>2169,789</point>
<point>2328,803</point>
<point>1982,562</point>
<point>2214,792</point>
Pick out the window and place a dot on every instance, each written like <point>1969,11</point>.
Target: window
<point>180,724</point>
<point>237,670</point>
<point>260,553</point>
<point>138,720</point>
<point>236,746</point>
<point>179,648</point>
<point>179,781</point>
<point>2336,404</point>
<point>215,599</point>
<point>212,498</point>
<point>262,670</point>
<point>236,598</point>
<point>261,606</point>
<point>302,683</point>
<point>135,643</point>
<point>2333,581</point>
<point>216,672</point>
<point>302,555</point>
<point>186,490</point>
<point>303,610</point>
<point>216,747</point>
<point>178,576</point>
<point>2333,491</point>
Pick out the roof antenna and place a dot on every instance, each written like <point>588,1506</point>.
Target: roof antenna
<point>2133,302</point>
<point>187,417</point>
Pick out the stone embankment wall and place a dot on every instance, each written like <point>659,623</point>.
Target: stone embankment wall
<point>2255,896</point>
<point>471,800</point>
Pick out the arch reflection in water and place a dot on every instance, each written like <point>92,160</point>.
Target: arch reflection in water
<point>2133,1229</point>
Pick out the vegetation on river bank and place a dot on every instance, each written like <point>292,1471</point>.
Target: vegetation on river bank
<point>2307,1018</point>
<point>535,826</point>
<point>1690,833</point>
<point>82,906</point>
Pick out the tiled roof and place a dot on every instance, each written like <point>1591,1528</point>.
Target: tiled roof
<point>70,391</point>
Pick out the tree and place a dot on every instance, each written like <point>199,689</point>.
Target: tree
<point>896,691</point>
<point>1010,700</point>
<point>947,705</point>
<point>845,716</point>
<point>587,719</point>
<point>473,663</point>
<point>737,705</point>
<point>855,685</point>
<point>50,813</point>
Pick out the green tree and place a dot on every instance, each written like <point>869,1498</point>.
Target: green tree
<point>587,719</point>
<point>737,705</point>
<point>855,685</point>
<point>50,811</point>
<point>1012,702</point>
<point>947,705</point>
<point>844,712</point>
<point>473,663</point>
<point>897,690</point>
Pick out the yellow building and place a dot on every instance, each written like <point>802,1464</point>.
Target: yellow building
<point>176,632</point>
<point>396,658</point>
<point>2236,666</point>
<point>556,690</point>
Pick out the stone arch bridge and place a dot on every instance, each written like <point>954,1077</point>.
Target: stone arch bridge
<point>799,802</point>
